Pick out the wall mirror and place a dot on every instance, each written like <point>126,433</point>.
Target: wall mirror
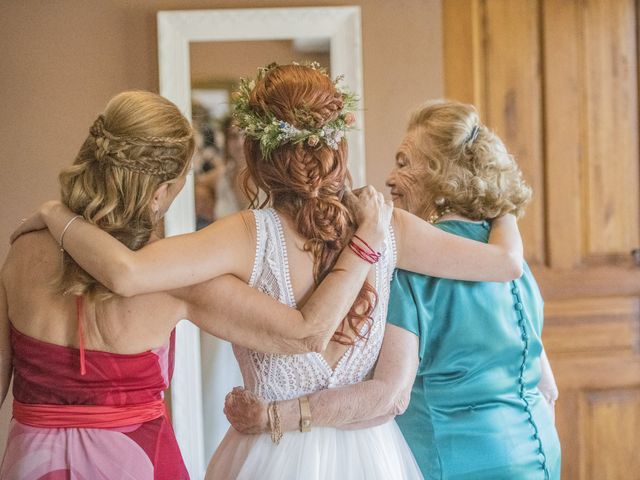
<point>202,53</point>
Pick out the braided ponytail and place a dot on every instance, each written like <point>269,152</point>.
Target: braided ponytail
<point>140,142</point>
<point>308,182</point>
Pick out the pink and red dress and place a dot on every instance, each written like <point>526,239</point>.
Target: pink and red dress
<point>90,415</point>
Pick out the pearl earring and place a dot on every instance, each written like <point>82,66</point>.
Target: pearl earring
<point>441,210</point>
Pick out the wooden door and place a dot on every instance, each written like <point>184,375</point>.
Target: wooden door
<point>558,81</point>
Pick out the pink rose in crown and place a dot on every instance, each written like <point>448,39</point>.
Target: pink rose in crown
<point>349,118</point>
<point>313,140</point>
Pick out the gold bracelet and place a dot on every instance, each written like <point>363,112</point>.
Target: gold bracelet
<point>269,418</point>
<point>305,414</point>
<point>274,422</point>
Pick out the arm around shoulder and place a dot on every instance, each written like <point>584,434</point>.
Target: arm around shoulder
<point>355,406</point>
<point>224,247</point>
<point>425,249</point>
<point>250,318</point>
<point>230,309</point>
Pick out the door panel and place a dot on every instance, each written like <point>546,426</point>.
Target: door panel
<point>558,81</point>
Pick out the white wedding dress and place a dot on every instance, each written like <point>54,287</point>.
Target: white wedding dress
<point>324,453</point>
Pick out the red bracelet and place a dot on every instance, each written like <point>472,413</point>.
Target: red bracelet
<point>365,252</point>
<point>374,256</point>
<point>354,248</point>
<point>359,252</point>
<point>371,250</point>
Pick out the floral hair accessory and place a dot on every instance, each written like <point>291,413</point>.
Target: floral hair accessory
<point>272,132</point>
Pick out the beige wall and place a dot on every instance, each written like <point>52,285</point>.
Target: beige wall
<point>61,61</point>
<point>233,60</point>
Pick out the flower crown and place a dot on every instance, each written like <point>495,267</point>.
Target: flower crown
<point>272,132</point>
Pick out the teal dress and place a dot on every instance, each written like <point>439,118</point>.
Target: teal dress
<point>475,411</point>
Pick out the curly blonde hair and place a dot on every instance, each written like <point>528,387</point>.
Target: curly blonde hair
<point>140,142</point>
<point>467,165</point>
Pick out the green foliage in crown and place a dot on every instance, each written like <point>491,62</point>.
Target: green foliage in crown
<point>272,132</point>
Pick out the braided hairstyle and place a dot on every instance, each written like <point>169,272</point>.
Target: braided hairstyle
<point>308,182</point>
<point>140,142</point>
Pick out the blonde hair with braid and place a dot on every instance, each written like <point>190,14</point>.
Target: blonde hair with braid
<point>308,182</point>
<point>140,142</point>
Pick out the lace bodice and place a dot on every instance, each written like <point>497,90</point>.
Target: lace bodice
<point>281,377</point>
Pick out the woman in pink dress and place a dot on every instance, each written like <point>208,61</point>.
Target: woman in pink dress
<point>90,367</point>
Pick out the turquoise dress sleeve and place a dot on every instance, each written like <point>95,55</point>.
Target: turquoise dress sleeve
<point>403,310</point>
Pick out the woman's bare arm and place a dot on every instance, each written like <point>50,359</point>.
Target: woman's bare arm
<point>223,247</point>
<point>354,406</point>
<point>228,308</point>
<point>374,422</point>
<point>423,248</point>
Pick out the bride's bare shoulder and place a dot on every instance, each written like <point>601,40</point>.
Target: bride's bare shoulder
<point>242,223</point>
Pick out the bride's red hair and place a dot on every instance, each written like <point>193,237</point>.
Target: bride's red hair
<point>308,182</point>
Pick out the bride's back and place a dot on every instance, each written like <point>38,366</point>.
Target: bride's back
<point>284,271</point>
<point>300,268</point>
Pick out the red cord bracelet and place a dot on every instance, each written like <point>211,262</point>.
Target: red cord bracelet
<point>354,248</point>
<point>364,251</point>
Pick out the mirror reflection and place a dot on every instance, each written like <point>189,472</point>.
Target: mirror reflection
<point>219,159</point>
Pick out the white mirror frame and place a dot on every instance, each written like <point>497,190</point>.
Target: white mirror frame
<point>176,30</point>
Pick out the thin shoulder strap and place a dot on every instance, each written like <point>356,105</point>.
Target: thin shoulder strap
<point>280,245</point>
<point>80,313</point>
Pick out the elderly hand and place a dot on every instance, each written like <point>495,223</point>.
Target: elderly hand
<point>34,222</point>
<point>370,210</point>
<point>246,412</point>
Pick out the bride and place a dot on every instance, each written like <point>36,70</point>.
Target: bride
<point>294,118</point>
<point>303,179</point>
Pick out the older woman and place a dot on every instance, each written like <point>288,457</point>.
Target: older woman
<point>468,354</point>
